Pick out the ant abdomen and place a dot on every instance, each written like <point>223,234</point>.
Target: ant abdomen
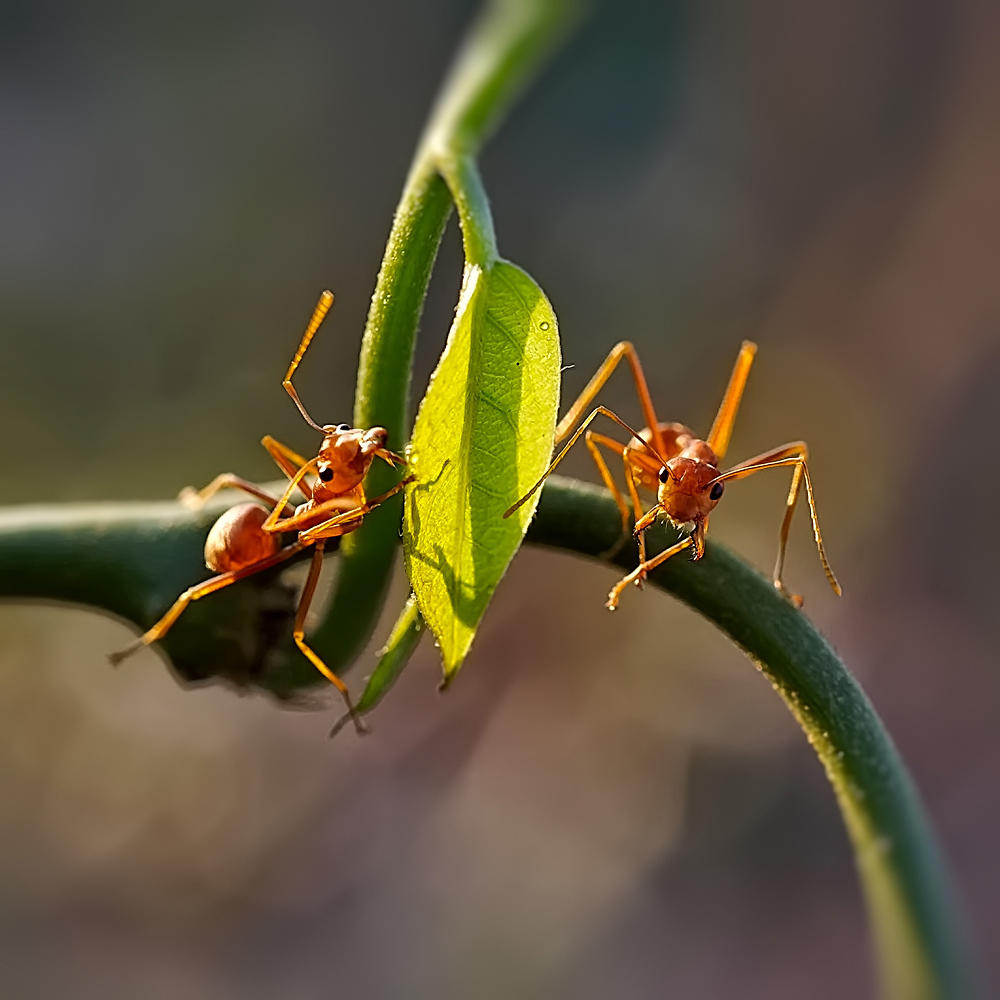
<point>238,540</point>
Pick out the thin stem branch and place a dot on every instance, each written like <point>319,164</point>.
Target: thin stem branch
<point>466,186</point>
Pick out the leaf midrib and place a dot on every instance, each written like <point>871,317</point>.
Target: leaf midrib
<point>477,300</point>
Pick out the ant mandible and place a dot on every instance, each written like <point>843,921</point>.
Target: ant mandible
<point>681,468</point>
<point>247,538</point>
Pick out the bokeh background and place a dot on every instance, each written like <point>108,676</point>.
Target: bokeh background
<point>603,805</point>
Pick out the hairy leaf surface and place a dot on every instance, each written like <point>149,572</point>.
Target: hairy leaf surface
<point>482,438</point>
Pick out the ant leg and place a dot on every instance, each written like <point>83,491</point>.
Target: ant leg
<point>638,512</point>
<point>288,461</point>
<point>319,313</point>
<point>592,440</point>
<point>789,455</point>
<point>283,455</point>
<point>274,522</point>
<point>304,520</point>
<point>598,411</point>
<point>786,523</point>
<point>621,350</point>
<point>326,528</point>
<point>299,635</point>
<point>722,428</point>
<point>160,629</point>
<point>796,449</point>
<point>642,569</point>
<point>196,499</point>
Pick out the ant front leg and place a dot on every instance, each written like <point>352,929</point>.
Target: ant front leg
<point>342,524</point>
<point>642,569</point>
<point>639,514</point>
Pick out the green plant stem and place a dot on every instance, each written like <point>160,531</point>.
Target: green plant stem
<point>133,558</point>
<point>917,936</point>
<point>505,46</point>
<point>401,643</point>
<point>382,399</point>
<point>478,235</point>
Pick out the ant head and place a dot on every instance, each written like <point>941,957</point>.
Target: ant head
<point>687,490</point>
<point>345,456</point>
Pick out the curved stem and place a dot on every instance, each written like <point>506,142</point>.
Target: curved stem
<point>466,186</point>
<point>133,558</point>
<point>916,932</point>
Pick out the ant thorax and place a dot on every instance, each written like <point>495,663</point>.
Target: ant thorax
<point>674,439</point>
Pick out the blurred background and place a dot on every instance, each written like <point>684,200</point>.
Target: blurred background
<point>602,805</point>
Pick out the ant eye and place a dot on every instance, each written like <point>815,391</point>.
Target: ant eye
<point>343,427</point>
<point>664,474</point>
<point>326,475</point>
<point>717,490</point>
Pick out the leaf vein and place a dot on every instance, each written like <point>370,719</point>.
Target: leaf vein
<point>503,329</point>
<point>500,408</point>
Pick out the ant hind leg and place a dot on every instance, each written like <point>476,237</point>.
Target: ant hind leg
<point>299,635</point>
<point>196,499</point>
<point>722,427</point>
<point>195,593</point>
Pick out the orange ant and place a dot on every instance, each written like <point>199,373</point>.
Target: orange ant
<point>247,538</point>
<point>681,468</point>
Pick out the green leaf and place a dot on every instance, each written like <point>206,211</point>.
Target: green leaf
<point>482,438</point>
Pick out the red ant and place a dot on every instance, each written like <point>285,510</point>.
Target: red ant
<point>682,469</point>
<point>247,538</point>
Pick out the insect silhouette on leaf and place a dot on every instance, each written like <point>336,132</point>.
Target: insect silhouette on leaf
<point>247,538</point>
<point>682,469</point>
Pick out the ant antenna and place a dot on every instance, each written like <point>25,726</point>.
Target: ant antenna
<point>319,314</point>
